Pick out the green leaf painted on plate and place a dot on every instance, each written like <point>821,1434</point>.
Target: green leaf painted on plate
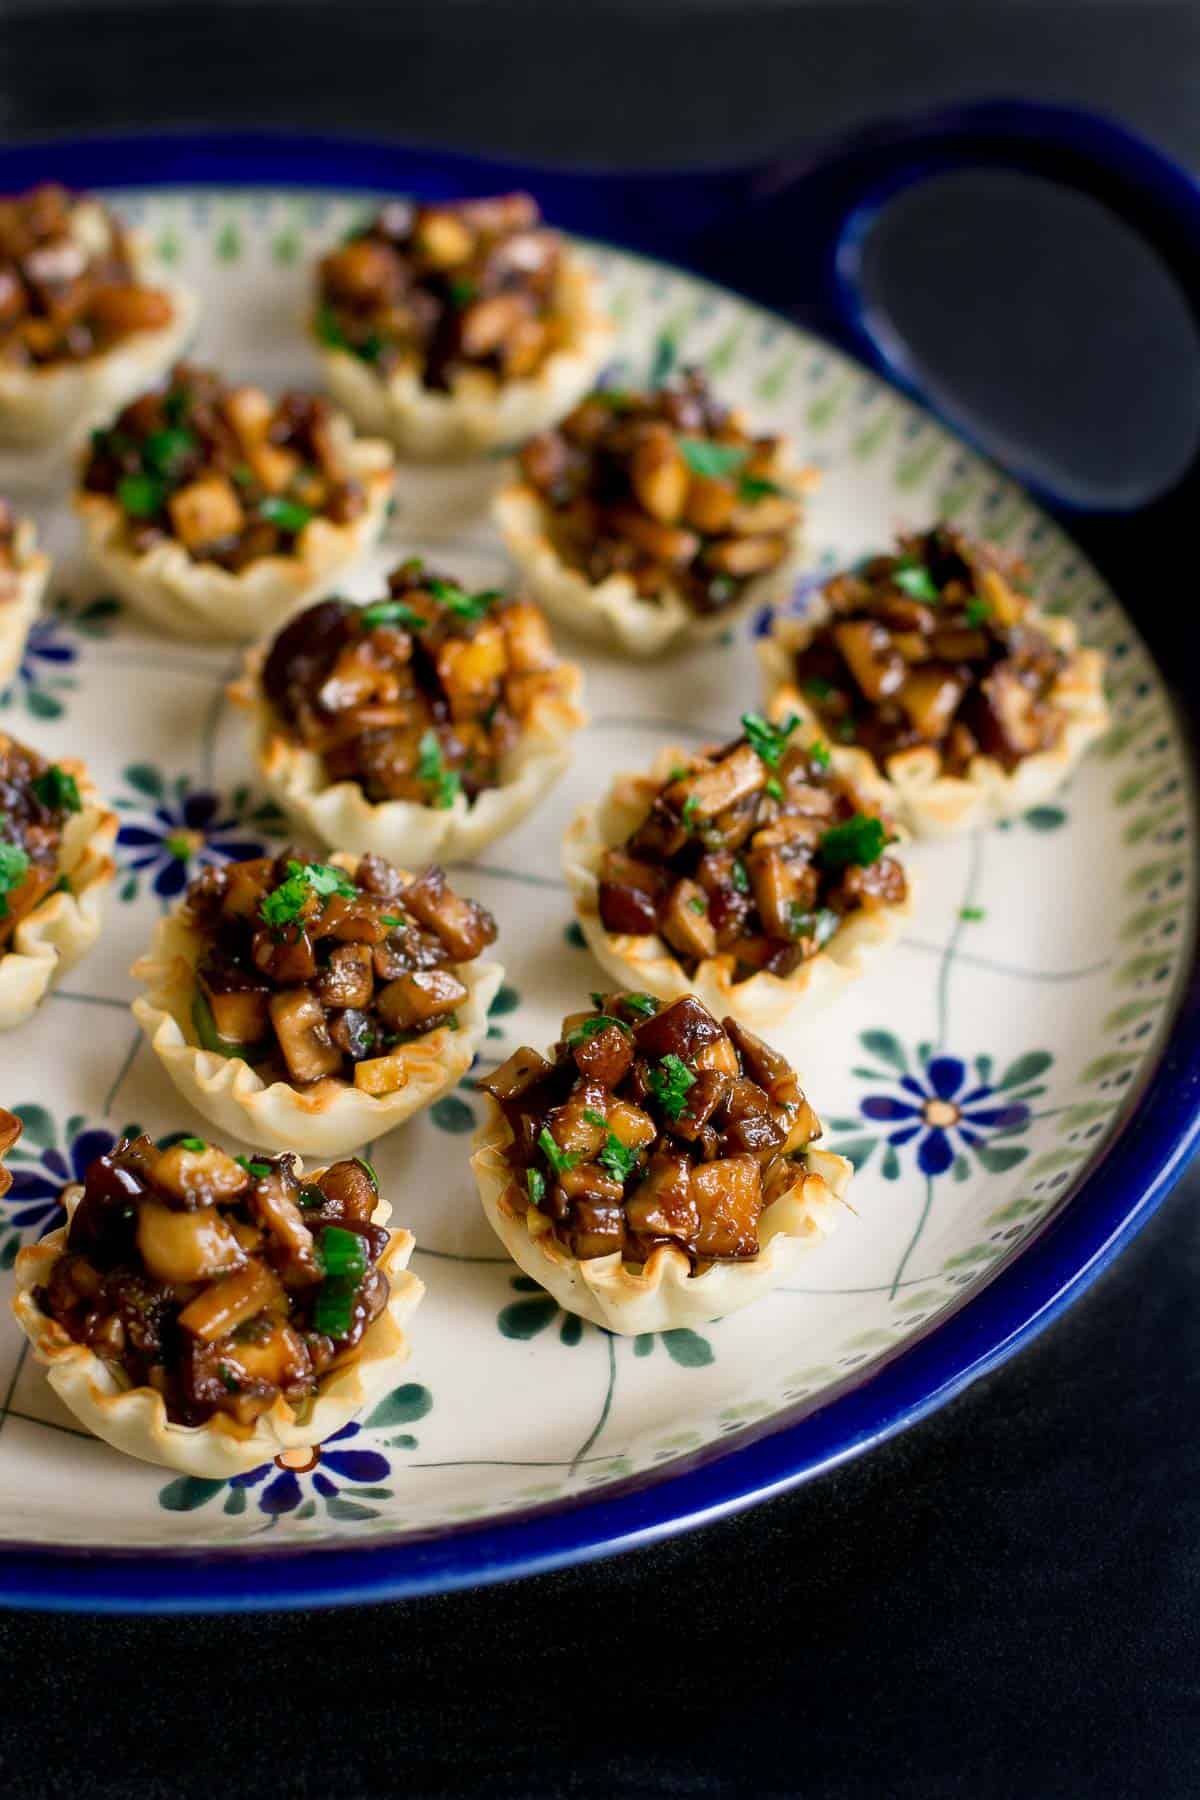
<point>452,1114</point>
<point>996,1159</point>
<point>187,1492</point>
<point>403,1406</point>
<point>687,1348</point>
<point>39,1126</point>
<point>525,1318</point>
<point>887,1046</point>
<point>1025,1068</point>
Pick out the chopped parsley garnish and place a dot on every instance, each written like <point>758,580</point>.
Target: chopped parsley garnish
<point>196,1145</point>
<point>289,515</point>
<point>819,753</point>
<point>971,915</point>
<point>698,904</point>
<point>645,1005</point>
<point>14,866</point>
<point>861,839</point>
<point>714,461</point>
<point>977,610</point>
<point>818,687</point>
<point>464,605</point>
<point>914,579</point>
<point>669,1084</point>
<point>766,740</point>
<point>141,496</point>
<point>560,1160</point>
<point>757,487</point>
<point>616,1158</point>
<point>392,612</point>
<point>677,773</point>
<point>58,790</point>
<point>819,925</point>
<point>165,452</point>
<point>342,1252</point>
<point>590,1028</point>
<point>446,783</point>
<point>259,1170</point>
<point>285,905</point>
<point>739,877</point>
<point>535,1184</point>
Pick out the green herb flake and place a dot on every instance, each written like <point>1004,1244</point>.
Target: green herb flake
<point>462,292</point>
<point>196,1145</point>
<point>463,605</point>
<point>368,1170</point>
<point>590,1028</point>
<point>141,496</point>
<point>669,1083</point>
<point>328,328</point>
<point>819,753</point>
<point>618,1159</point>
<point>431,769</point>
<point>858,840</point>
<point>819,925</point>
<point>259,1170</point>
<point>714,461</point>
<point>644,1005</point>
<point>977,611</point>
<point>757,487</point>
<point>972,915</point>
<point>14,867</point>
<point>58,790</point>
<point>699,905</point>
<point>342,1252</point>
<point>286,903</point>
<point>229,1380</point>
<point>289,515</point>
<point>396,923</point>
<point>739,877</point>
<point>165,453</point>
<point>391,612</point>
<point>690,808</point>
<point>766,740</point>
<point>774,788</point>
<point>334,1308</point>
<point>535,1185</point>
<point>818,687</point>
<point>177,406</point>
<point>914,579</point>
<point>847,731</point>
<point>560,1160</point>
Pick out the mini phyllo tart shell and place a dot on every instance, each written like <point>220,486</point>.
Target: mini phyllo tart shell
<point>331,1117</point>
<point>206,603</point>
<point>913,784</point>
<point>134,1419</point>
<point>666,1286</point>
<point>478,412</point>
<point>768,1003</point>
<point>22,584</point>
<point>10,1130</point>
<point>62,928</point>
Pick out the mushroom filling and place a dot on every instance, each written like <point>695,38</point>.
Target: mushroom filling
<point>419,697</point>
<point>224,471</point>
<point>441,289</point>
<point>68,286</point>
<point>933,645</point>
<point>307,972</point>
<point>653,1125</point>
<point>11,558</point>
<point>36,798</point>
<point>758,851</point>
<point>666,487</point>
<point>225,1283</point>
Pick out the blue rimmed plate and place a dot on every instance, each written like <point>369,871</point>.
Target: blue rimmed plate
<point>992,1081</point>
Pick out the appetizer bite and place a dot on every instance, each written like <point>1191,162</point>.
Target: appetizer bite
<point>314,1005</point>
<point>10,1130</point>
<point>217,511</point>
<point>647,518</point>
<point>754,876</point>
<point>82,326</point>
<point>56,843</point>
<point>457,326</point>
<point>206,1311</point>
<point>932,669</point>
<point>423,725</point>
<point>23,574</point>
<point>657,1169</point>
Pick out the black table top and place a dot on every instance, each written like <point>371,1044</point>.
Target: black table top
<point>1002,1601</point>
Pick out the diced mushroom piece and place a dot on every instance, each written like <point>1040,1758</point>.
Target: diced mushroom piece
<point>348,979</point>
<point>523,1070</point>
<point>710,791</point>
<point>659,474</point>
<point>880,883</point>
<point>705,1095</point>
<point>669,544</point>
<point>747,1120</point>
<point>681,1029</point>
<point>471,669</point>
<point>1005,606</point>
<point>442,238</point>
<point>205,511</point>
<point>298,1019</point>
<point>224,1305</point>
<point>930,695</point>
<point>463,926</point>
<point>207,1177</point>
<point>413,1000</point>
<point>664,1204</point>
<point>181,1247</point>
<point>804,1129</point>
<point>728,1198</point>
<point>570,1126</point>
<point>685,922</point>
<point>771,513</point>
<point>776,892</point>
<point>719,1054</point>
<point>348,1184</point>
<point>1004,716</point>
<point>630,1125</point>
<point>288,960</point>
<point>711,501</point>
<point>773,1072</point>
<point>275,1355</point>
<point>245,885</point>
<point>869,655</point>
<point>660,836</point>
<point>527,634</point>
<point>742,557</point>
<point>240,1014</point>
<point>272,1203</point>
<point>629,894</point>
<point>604,1056</point>
<point>484,325</point>
<point>592,1200</point>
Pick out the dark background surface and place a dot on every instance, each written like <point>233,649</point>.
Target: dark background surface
<point>1001,1602</point>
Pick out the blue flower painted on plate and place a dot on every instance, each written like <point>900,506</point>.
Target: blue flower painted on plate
<point>174,830</point>
<point>50,650</point>
<point>940,1108</point>
<point>41,1166</point>
<point>339,1475</point>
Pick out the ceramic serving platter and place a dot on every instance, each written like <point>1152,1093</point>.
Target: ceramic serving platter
<point>974,1076</point>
